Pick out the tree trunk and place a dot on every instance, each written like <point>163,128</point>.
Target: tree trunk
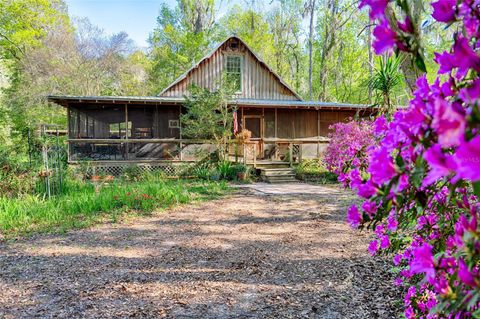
<point>310,49</point>
<point>370,62</point>
<point>409,68</point>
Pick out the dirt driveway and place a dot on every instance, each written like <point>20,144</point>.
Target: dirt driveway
<point>267,251</point>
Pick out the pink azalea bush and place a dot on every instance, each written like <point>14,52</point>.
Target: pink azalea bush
<point>421,182</point>
<point>348,145</point>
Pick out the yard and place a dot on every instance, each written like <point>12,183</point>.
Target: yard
<point>264,251</point>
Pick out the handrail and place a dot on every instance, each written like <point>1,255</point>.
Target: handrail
<point>149,140</point>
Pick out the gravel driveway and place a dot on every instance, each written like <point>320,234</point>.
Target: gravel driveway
<point>267,251</point>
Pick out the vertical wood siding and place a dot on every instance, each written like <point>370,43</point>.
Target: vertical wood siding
<point>258,81</point>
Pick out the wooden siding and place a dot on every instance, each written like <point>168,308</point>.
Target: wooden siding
<point>258,81</point>
<point>297,123</point>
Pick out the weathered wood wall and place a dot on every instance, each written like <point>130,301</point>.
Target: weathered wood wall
<point>258,81</point>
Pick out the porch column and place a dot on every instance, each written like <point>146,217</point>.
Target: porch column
<point>126,131</point>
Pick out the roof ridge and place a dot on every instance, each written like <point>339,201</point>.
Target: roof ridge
<point>210,54</point>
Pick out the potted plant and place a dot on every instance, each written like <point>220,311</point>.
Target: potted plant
<point>243,136</point>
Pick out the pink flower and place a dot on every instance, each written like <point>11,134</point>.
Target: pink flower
<point>465,274</point>
<point>377,8</point>
<point>384,242</point>
<point>441,164</point>
<point>463,57</point>
<point>385,38</point>
<point>406,26</point>
<point>381,166</point>
<point>353,216</point>
<point>423,262</point>
<point>392,222</point>
<point>449,122</point>
<point>370,208</point>
<point>467,159</point>
<point>367,189</point>
<point>373,247</point>
<point>471,94</point>
<point>444,10</point>
<point>380,125</point>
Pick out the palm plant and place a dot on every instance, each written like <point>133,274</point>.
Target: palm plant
<point>385,80</point>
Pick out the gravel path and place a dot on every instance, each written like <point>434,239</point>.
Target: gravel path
<point>263,252</point>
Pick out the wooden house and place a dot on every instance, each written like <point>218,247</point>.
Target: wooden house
<point>120,129</point>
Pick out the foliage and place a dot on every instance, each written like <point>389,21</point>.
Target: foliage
<point>208,115</point>
<point>384,82</point>
<point>81,205</point>
<point>422,181</point>
<point>181,38</point>
<point>348,145</point>
<point>314,170</point>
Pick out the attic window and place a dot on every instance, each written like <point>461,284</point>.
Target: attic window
<point>234,71</point>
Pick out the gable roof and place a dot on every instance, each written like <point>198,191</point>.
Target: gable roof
<point>209,55</point>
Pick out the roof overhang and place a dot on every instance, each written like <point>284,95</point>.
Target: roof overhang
<point>64,100</point>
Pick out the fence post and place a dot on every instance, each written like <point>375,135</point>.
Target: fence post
<point>290,153</point>
<point>300,152</point>
<point>255,155</point>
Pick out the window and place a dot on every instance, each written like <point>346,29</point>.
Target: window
<point>173,124</point>
<point>234,71</point>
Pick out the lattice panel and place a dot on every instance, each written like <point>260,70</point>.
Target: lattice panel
<point>116,170</point>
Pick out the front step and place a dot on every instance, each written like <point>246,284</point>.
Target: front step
<point>277,175</point>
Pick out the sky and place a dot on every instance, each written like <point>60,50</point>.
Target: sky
<point>136,17</point>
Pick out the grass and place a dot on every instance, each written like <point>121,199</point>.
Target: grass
<point>81,205</point>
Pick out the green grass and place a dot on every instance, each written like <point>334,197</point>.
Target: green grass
<point>81,205</point>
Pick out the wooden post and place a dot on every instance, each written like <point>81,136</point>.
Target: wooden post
<point>68,135</point>
<point>180,131</point>
<point>318,133</point>
<point>276,134</point>
<point>300,152</point>
<point>290,153</point>
<point>255,155</point>
<point>126,131</point>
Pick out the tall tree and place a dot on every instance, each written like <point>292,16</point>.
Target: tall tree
<point>310,7</point>
<point>182,36</point>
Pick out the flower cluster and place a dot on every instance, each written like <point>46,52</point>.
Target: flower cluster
<point>347,147</point>
<point>421,183</point>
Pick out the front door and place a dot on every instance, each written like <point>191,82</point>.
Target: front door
<point>253,123</point>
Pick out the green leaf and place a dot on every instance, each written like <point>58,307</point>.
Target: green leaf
<point>476,314</point>
<point>476,188</point>
<point>420,63</point>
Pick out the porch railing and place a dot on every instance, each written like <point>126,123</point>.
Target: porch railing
<point>251,152</point>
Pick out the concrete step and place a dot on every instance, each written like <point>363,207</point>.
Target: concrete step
<point>278,175</point>
<point>286,172</point>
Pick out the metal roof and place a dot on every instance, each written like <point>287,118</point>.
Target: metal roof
<point>64,99</point>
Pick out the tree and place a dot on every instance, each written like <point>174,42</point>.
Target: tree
<point>183,35</point>
<point>310,9</point>
<point>209,115</point>
<point>385,80</point>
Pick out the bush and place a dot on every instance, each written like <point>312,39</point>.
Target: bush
<point>421,183</point>
<point>314,171</point>
<point>348,145</point>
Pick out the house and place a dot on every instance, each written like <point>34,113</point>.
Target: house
<point>116,130</point>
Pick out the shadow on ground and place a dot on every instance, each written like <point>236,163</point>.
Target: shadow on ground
<point>249,255</point>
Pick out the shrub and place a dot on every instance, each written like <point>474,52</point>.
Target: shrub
<point>348,145</point>
<point>422,180</point>
<point>314,171</point>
